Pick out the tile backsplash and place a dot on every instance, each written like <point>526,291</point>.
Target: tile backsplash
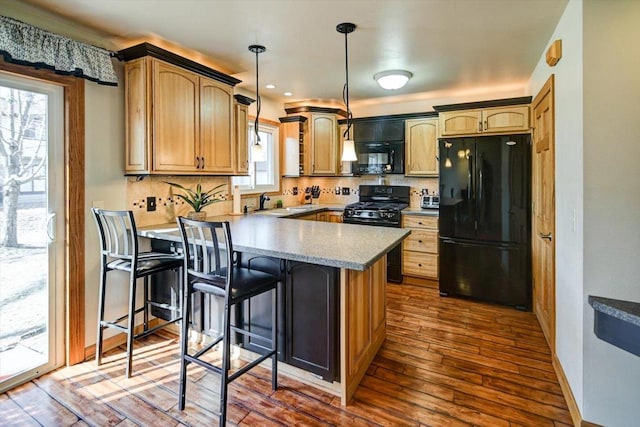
<point>168,206</point>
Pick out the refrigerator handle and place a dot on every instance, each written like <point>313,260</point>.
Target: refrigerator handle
<point>470,176</point>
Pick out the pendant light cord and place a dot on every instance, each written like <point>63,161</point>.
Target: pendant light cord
<point>258,102</point>
<point>346,28</point>
<point>345,90</point>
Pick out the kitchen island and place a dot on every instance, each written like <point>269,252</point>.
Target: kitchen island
<point>354,254</point>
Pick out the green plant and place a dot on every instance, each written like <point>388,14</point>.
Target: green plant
<point>198,199</point>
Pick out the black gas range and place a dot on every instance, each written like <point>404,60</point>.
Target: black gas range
<point>381,205</point>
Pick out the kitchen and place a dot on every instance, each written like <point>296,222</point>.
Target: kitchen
<point>107,185</point>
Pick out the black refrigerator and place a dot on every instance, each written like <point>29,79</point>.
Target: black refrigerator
<point>485,219</point>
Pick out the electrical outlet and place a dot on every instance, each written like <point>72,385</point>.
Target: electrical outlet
<point>151,204</point>
<point>337,190</point>
<point>295,191</point>
<point>346,191</point>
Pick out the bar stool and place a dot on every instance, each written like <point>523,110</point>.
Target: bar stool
<point>213,268</point>
<point>119,251</point>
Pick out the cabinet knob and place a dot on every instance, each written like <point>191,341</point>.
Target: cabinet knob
<point>197,162</point>
<point>479,126</point>
<point>486,125</point>
<point>419,241</point>
<point>419,265</point>
<point>202,167</point>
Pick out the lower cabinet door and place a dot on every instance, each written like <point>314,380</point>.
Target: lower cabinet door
<point>256,313</point>
<point>312,301</point>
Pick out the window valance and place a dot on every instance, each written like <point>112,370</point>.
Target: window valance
<point>24,44</point>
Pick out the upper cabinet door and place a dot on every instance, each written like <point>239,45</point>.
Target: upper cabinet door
<point>465,122</point>
<point>242,138</point>
<point>137,125</point>
<point>421,147</point>
<point>506,119</point>
<point>217,148</point>
<point>324,140</point>
<point>175,118</point>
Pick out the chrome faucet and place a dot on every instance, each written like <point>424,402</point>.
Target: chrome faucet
<point>263,198</point>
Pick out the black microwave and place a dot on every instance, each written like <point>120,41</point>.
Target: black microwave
<point>376,158</point>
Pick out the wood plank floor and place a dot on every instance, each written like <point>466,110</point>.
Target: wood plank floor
<point>446,362</point>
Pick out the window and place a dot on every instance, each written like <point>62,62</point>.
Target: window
<point>263,176</point>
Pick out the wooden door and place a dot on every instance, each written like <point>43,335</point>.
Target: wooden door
<point>506,119</point>
<point>421,149</point>
<point>466,122</point>
<point>242,139</point>
<point>543,229</point>
<point>137,146</point>
<point>175,118</point>
<point>324,141</point>
<point>217,148</point>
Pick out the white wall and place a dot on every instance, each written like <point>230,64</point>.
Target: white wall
<point>569,191</point>
<point>611,200</point>
<point>105,184</point>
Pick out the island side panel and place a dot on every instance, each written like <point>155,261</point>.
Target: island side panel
<point>363,325</point>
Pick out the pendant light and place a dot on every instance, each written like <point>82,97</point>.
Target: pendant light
<point>348,147</point>
<point>257,150</point>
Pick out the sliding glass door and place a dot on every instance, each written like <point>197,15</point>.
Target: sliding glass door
<point>31,229</point>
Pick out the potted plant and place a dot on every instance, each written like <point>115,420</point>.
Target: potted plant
<point>198,198</point>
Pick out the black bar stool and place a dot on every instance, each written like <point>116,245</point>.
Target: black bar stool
<point>213,268</point>
<point>119,251</point>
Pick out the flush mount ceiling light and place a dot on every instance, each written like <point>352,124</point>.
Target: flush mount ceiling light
<point>392,79</point>
<point>348,151</point>
<point>257,151</point>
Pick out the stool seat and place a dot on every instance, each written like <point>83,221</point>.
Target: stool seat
<point>148,263</point>
<point>247,283</point>
<point>119,252</point>
<point>212,268</point>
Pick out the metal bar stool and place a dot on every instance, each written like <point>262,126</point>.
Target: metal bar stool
<point>213,268</point>
<point>119,251</point>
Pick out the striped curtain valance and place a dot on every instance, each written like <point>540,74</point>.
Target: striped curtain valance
<point>24,44</point>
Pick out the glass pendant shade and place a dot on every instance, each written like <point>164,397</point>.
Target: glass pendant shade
<point>257,153</point>
<point>348,151</point>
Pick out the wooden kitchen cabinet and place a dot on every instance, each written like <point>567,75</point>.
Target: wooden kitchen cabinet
<point>217,134</point>
<point>178,121</point>
<point>293,149</point>
<point>241,112</point>
<point>334,216</point>
<point>175,107</point>
<point>323,131</point>
<point>420,248</point>
<point>421,147</point>
<point>507,119</point>
<point>311,141</point>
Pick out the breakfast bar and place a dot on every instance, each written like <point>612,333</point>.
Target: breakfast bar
<point>355,255</point>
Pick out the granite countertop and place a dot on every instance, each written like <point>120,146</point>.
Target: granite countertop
<point>300,210</point>
<point>624,310</point>
<point>350,246</point>
<point>420,211</point>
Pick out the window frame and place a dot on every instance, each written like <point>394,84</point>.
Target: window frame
<point>273,156</point>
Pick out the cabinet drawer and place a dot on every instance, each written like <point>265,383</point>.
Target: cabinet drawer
<point>420,221</point>
<point>420,264</point>
<point>422,241</point>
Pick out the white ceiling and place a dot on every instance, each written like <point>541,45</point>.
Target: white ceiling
<point>448,45</point>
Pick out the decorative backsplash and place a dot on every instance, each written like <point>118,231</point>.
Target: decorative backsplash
<point>333,190</point>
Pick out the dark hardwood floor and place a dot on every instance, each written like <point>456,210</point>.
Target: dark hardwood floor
<point>446,361</point>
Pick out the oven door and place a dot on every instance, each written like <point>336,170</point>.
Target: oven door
<point>376,158</point>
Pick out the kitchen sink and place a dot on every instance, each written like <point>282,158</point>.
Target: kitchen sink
<point>300,208</point>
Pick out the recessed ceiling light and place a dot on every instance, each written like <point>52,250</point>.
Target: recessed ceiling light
<point>270,86</point>
<point>288,94</point>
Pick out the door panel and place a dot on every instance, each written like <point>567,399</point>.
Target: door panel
<point>457,183</point>
<point>503,193</point>
<point>495,273</point>
<point>32,228</point>
<point>543,257</point>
